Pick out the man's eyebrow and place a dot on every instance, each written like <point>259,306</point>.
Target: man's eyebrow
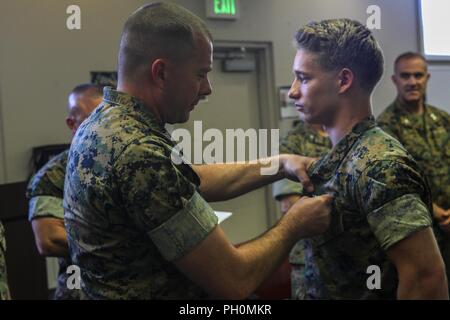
<point>300,73</point>
<point>415,74</point>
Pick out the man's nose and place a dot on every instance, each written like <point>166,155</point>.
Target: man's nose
<point>206,88</point>
<point>294,92</point>
<point>412,81</point>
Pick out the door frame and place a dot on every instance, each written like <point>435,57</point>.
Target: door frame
<point>3,172</point>
<point>269,114</point>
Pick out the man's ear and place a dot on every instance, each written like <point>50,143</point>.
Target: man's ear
<point>70,122</point>
<point>394,79</point>
<point>158,72</point>
<point>346,79</point>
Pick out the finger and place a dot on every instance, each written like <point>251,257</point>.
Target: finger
<point>304,179</point>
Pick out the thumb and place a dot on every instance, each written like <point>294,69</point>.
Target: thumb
<point>304,179</point>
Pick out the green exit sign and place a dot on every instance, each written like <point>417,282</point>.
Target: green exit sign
<point>222,9</point>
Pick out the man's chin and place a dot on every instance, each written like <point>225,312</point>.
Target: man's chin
<point>309,118</point>
<point>178,121</point>
<point>412,98</point>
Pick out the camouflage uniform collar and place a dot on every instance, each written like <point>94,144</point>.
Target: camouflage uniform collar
<point>123,99</point>
<point>400,107</point>
<point>406,118</point>
<point>325,167</point>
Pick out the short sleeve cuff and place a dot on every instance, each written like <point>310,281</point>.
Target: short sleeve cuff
<point>45,206</point>
<point>186,229</point>
<point>286,187</point>
<point>398,219</point>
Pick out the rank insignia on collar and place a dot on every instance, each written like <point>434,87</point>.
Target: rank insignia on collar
<point>433,116</point>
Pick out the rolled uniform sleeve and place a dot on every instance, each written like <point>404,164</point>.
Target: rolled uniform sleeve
<point>286,187</point>
<point>396,200</point>
<point>45,189</point>
<point>45,206</point>
<point>162,200</point>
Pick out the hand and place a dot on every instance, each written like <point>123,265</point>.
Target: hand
<point>295,168</point>
<point>442,216</point>
<point>445,225</point>
<point>311,216</point>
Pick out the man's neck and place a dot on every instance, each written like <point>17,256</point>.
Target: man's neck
<point>415,107</point>
<point>348,117</point>
<point>144,95</point>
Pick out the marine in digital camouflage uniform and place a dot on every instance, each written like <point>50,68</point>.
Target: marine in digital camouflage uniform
<point>424,131</point>
<point>427,138</point>
<point>382,209</point>
<point>302,140</point>
<point>4,289</point>
<point>45,195</point>
<point>381,199</point>
<point>46,187</point>
<point>129,210</point>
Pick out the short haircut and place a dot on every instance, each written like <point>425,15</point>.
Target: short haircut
<point>90,89</point>
<point>409,55</point>
<point>158,30</point>
<point>344,43</point>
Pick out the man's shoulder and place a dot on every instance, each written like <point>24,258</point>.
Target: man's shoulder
<point>49,180</point>
<point>376,145</point>
<point>110,123</point>
<point>57,162</point>
<point>386,160</point>
<point>440,113</point>
<point>116,132</point>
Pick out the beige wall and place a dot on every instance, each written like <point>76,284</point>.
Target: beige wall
<point>40,60</point>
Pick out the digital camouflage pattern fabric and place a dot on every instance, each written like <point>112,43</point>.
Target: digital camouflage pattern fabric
<point>45,195</point>
<point>129,210</point>
<point>302,140</point>
<point>427,139</point>
<point>380,199</point>
<point>4,289</point>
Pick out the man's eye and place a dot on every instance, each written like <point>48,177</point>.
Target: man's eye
<point>418,75</point>
<point>302,79</point>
